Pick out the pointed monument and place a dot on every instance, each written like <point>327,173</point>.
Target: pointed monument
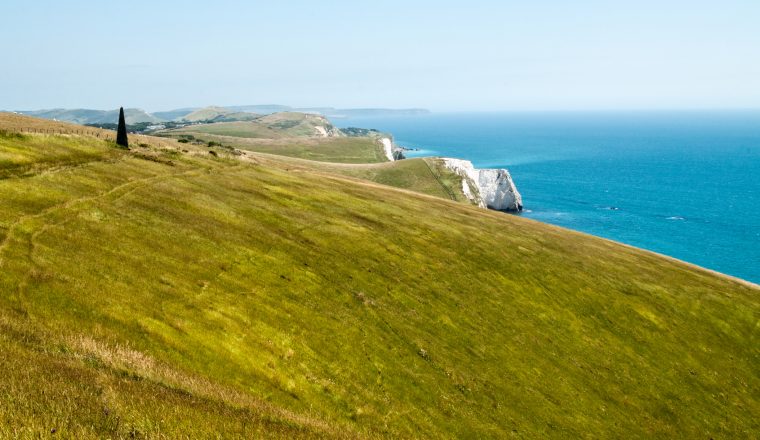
<point>121,132</point>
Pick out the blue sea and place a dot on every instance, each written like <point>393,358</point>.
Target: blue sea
<point>684,184</point>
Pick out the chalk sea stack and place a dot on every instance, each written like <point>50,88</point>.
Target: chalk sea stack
<point>488,188</point>
<point>121,132</point>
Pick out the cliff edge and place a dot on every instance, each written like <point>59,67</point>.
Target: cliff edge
<point>488,188</point>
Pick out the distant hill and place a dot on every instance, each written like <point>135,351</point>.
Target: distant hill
<point>211,113</point>
<point>183,290</point>
<point>271,126</point>
<point>89,116</point>
<point>206,114</point>
<point>218,114</point>
<point>300,124</point>
<point>172,115</point>
<point>331,111</point>
<point>261,109</point>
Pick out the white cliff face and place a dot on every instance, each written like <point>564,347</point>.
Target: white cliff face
<point>322,127</point>
<point>388,148</point>
<point>488,188</point>
<point>470,178</point>
<point>321,131</point>
<point>498,191</point>
<point>326,131</point>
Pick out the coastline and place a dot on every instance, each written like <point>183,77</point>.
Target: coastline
<point>501,214</point>
<point>692,266</point>
<point>647,179</point>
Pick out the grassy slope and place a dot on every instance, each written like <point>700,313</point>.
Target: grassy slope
<point>275,126</point>
<point>211,295</point>
<point>206,113</point>
<point>423,175</point>
<point>288,134</point>
<point>86,116</point>
<point>427,176</point>
<point>358,150</point>
<point>413,174</point>
<point>233,129</point>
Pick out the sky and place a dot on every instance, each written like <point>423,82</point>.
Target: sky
<point>473,55</point>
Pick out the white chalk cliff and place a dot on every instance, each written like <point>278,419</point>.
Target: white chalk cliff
<point>391,150</point>
<point>488,188</point>
<point>388,148</point>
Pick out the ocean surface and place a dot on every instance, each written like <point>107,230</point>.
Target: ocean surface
<point>684,184</point>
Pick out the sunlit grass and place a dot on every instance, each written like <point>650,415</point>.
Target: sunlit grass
<point>196,296</point>
<point>298,141</point>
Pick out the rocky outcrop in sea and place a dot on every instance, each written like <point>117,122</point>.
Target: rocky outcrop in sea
<point>487,188</point>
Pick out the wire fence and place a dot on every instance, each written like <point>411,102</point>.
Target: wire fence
<point>100,133</point>
<point>108,135</point>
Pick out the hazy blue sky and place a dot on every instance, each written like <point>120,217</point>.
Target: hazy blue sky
<point>443,55</point>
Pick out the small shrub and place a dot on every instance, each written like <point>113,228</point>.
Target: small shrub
<point>183,141</point>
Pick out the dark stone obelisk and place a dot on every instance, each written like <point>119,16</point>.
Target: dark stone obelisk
<point>121,132</point>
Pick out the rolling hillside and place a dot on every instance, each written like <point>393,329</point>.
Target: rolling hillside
<point>86,116</point>
<point>205,114</point>
<point>167,292</point>
<point>218,114</point>
<point>194,114</point>
<point>274,126</point>
<point>423,175</point>
<point>299,135</point>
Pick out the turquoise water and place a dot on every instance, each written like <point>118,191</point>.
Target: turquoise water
<point>683,184</point>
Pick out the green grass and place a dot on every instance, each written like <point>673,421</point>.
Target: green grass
<point>423,175</point>
<point>26,154</point>
<point>54,386</point>
<point>339,150</point>
<point>199,297</point>
<point>219,114</point>
<point>288,134</point>
<point>274,126</point>
<point>235,129</point>
<point>356,150</point>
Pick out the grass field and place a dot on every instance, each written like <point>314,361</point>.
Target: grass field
<point>422,175</point>
<point>218,114</point>
<point>337,150</point>
<point>274,126</point>
<point>287,134</point>
<point>159,293</point>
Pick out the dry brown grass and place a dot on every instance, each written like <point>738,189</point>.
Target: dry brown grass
<point>127,360</point>
<point>16,123</point>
